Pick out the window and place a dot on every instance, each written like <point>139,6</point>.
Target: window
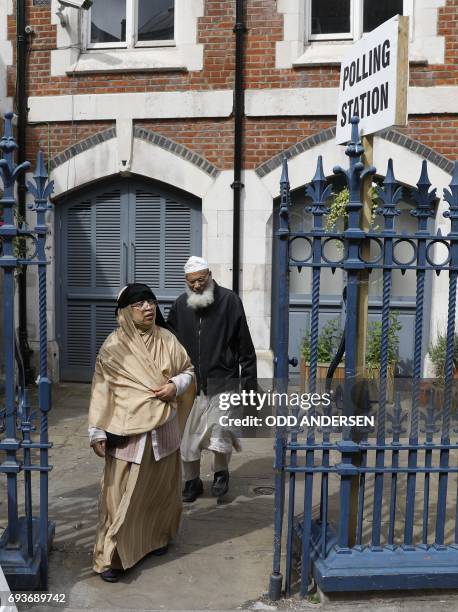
<point>129,36</point>
<point>130,23</point>
<point>318,32</point>
<point>348,19</point>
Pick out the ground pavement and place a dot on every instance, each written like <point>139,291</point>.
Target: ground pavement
<point>222,558</point>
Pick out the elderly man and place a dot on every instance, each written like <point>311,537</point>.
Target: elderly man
<point>210,323</point>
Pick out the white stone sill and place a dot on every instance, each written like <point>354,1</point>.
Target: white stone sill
<point>319,54</point>
<point>128,60</point>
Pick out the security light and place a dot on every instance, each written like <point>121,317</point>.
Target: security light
<point>78,4</point>
<point>85,5</point>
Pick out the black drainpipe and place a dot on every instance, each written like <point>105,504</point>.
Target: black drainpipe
<point>239,100</point>
<point>21,110</point>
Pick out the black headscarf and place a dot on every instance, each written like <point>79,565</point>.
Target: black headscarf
<point>136,292</point>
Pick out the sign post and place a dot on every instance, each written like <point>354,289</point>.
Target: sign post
<point>374,79</point>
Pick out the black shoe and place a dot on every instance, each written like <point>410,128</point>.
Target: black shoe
<point>111,575</point>
<point>220,483</point>
<point>192,490</point>
<point>163,550</point>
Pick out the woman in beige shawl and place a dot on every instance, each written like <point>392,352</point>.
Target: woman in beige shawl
<point>140,370</point>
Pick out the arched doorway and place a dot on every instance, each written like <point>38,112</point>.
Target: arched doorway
<point>120,231</point>
<point>403,298</point>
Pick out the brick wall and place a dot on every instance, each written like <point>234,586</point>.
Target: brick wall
<point>438,132</point>
<point>213,138</point>
<point>265,28</point>
<point>53,138</point>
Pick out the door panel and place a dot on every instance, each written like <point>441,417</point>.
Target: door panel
<point>129,231</point>
<point>79,336</point>
<point>108,248</point>
<point>147,238</point>
<point>177,244</point>
<point>105,322</point>
<point>79,241</point>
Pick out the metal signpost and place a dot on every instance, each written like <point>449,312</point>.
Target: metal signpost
<point>374,77</point>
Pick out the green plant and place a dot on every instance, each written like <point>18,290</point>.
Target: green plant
<point>374,339</point>
<point>437,352</point>
<point>338,208</point>
<point>328,342</point>
<point>331,334</point>
<point>20,242</point>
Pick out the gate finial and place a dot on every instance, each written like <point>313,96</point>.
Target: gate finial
<point>7,168</point>
<point>7,142</point>
<point>42,188</point>
<point>390,194</point>
<point>319,191</point>
<point>424,198</point>
<point>285,199</point>
<point>354,146</point>
<point>353,175</point>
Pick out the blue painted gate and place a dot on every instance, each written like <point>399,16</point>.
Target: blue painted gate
<point>374,507</point>
<point>24,442</point>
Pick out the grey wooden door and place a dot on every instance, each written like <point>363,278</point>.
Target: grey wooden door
<point>119,232</point>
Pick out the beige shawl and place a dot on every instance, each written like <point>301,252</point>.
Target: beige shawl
<point>130,364</point>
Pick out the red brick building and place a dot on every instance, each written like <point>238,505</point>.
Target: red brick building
<point>133,103</point>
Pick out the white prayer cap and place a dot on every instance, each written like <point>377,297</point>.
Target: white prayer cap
<point>195,264</point>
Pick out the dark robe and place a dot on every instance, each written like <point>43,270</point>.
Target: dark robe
<point>217,340</point>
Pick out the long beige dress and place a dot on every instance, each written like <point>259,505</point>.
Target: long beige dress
<point>140,499</point>
<point>139,508</point>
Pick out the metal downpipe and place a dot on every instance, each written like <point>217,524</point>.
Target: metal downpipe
<point>21,110</point>
<point>239,102</point>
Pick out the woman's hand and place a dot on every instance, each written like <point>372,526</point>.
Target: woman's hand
<point>99,447</point>
<point>166,392</point>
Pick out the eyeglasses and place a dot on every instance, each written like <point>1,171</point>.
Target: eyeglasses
<point>141,305</point>
<point>201,280</point>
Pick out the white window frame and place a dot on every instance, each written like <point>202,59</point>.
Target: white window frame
<point>297,48</point>
<point>131,41</point>
<point>356,22</point>
<point>333,36</point>
<point>184,53</point>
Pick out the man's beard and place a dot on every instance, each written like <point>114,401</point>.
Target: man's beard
<point>201,300</point>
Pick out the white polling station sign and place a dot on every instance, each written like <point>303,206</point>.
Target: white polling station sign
<point>374,78</point>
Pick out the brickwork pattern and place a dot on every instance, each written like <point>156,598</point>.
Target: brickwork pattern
<point>391,135</point>
<point>56,138</point>
<point>81,146</point>
<point>212,140</point>
<point>215,31</point>
<point>177,149</point>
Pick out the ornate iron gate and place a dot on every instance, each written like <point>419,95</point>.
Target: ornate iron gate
<point>394,524</point>
<point>25,542</point>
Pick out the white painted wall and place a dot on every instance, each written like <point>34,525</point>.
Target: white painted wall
<point>149,105</point>
<point>310,101</point>
<point>313,101</point>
